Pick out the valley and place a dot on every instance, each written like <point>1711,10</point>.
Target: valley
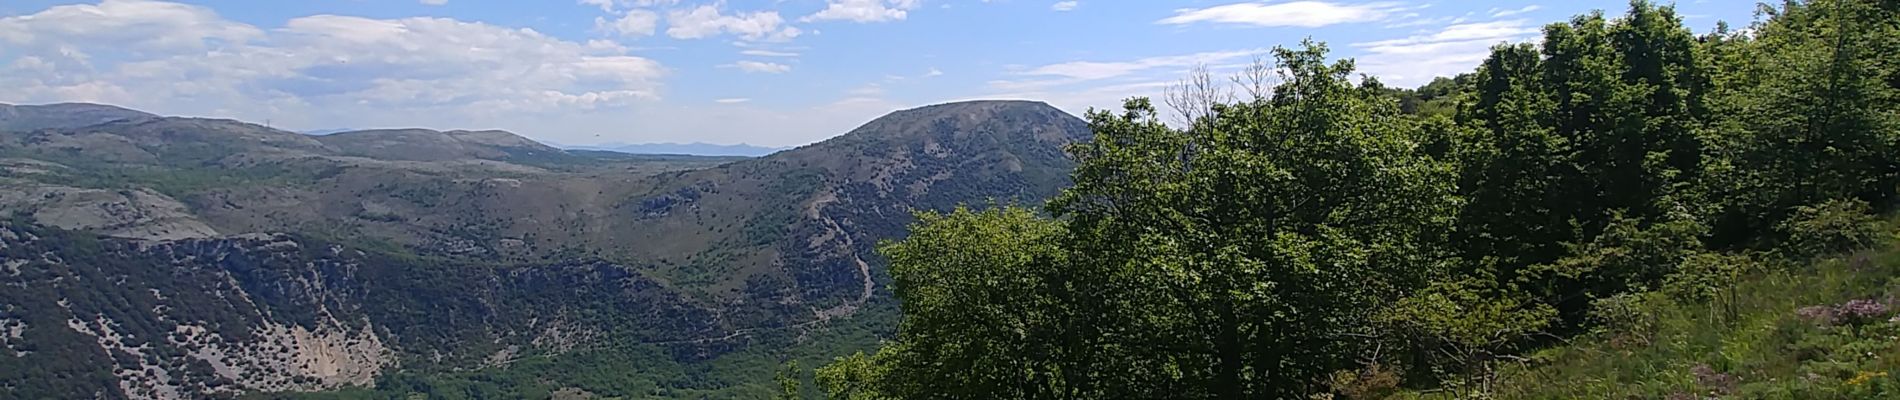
<point>180,257</point>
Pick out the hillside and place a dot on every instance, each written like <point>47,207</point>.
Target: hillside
<point>1822,329</point>
<point>429,145</point>
<point>66,115</point>
<point>354,259</point>
<point>696,148</point>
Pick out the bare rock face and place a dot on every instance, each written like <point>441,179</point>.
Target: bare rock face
<point>261,313</point>
<point>290,358</point>
<point>154,323</point>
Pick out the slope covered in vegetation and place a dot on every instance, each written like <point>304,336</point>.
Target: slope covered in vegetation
<point>1329,237</point>
<point>1824,329</point>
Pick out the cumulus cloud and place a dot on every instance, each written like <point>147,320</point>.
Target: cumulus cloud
<point>1064,5</point>
<point>863,10</point>
<point>136,25</point>
<point>181,59</point>
<point>1306,14</point>
<point>760,67</point>
<point>768,53</point>
<point>706,21</point>
<point>633,23</point>
<point>735,100</point>
<point>435,2</point>
<point>1452,49</point>
<point>1094,70</point>
<point>1501,13</point>
<point>611,6</point>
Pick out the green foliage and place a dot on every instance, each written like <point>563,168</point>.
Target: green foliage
<point>1831,227</point>
<point>789,382</point>
<point>984,291</point>
<point>855,377</point>
<point>1706,276</point>
<point>1790,337</point>
<point>1186,251</point>
<point>1813,116</point>
<point>1450,329</point>
<point>1620,182</point>
<point>1628,256</point>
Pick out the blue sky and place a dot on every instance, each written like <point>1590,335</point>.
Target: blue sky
<point>767,72</point>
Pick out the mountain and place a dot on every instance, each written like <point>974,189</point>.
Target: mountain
<point>696,148</point>
<point>189,258</point>
<point>321,132</point>
<point>65,115</point>
<point>429,145</point>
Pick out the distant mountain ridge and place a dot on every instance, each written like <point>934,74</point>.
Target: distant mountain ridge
<point>695,148</point>
<point>63,115</point>
<point>432,145</point>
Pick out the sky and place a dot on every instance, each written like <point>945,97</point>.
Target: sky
<point>763,72</point>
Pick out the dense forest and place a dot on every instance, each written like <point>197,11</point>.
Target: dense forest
<point>1320,235</point>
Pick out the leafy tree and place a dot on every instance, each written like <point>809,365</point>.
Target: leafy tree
<point>855,377</point>
<point>1250,248</point>
<point>789,381</point>
<point>1816,121</point>
<point>983,292</point>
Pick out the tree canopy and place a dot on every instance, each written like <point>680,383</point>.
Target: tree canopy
<point>1331,236</point>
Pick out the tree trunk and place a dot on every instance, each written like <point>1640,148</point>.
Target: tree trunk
<point>1228,349</point>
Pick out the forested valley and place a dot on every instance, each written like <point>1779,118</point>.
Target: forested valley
<point>1624,209</point>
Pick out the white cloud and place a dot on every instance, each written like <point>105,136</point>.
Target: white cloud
<point>1453,49</point>
<point>706,21</point>
<point>1308,14</point>
<point>435,2</point>
<point>317,70</point>
<point>768,53</point>
<point>760,67</point>
<point>634,23</point>
<point>864,10</point>
<point>735,100</point>
<point>606,6</point>
<point>1501,13</point>
<point>135,25</point>
<point>1094,70</point>
<point>934,72</point>
<point>1064,5</point>
<point>609,6</point>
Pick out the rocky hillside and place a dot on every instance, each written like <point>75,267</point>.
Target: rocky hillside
<point>186,258</point>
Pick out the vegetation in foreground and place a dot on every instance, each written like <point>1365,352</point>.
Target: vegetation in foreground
<point>1626,210</point>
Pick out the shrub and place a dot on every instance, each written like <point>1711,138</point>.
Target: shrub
<point>1832,227</point>
<point>1701,277</point>
<point>1372,383</point>
<point>1624,318</point>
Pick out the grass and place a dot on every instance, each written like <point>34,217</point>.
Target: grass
<point>1766,338</point>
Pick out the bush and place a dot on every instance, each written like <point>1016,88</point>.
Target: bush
<point>1626,319</point>
<point>1372,383</point>
<point>1832,227</point>
<point>1701,277</point>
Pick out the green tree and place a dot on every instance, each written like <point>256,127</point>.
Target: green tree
<point>1817,122</point>
<point>789,381</point>
<point>1606,126</point>
<point>1250,249</point>
<point>983,297</point>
